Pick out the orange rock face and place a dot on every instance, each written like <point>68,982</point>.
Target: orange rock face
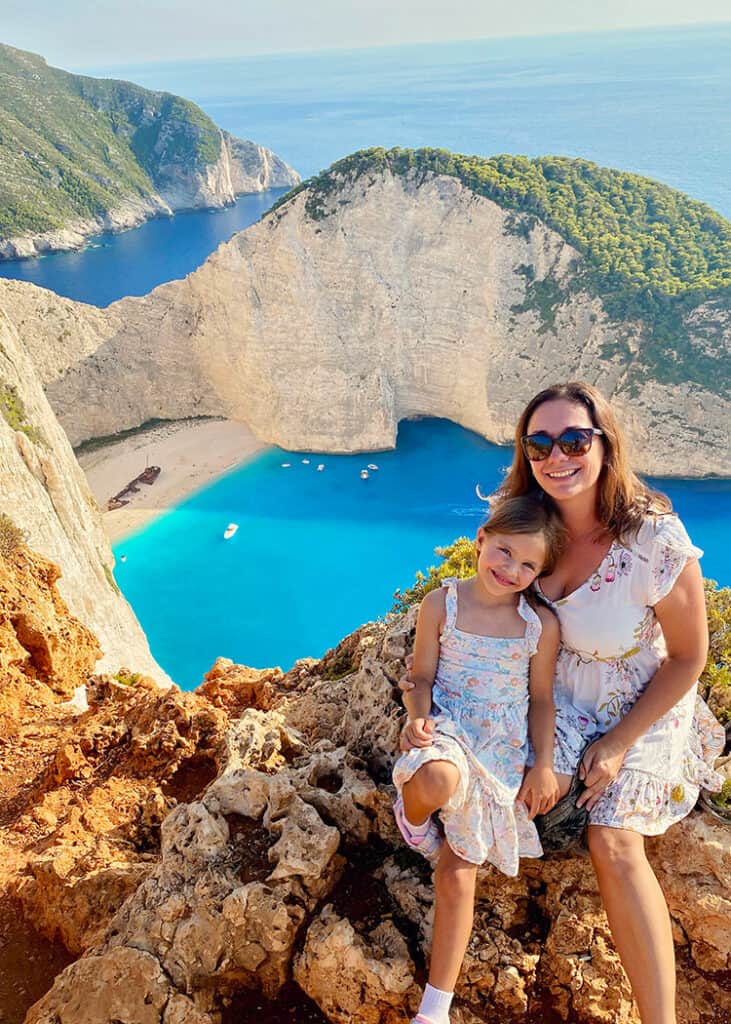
<point>185,848</point>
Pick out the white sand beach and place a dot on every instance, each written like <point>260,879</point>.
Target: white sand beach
<point>190,455</point>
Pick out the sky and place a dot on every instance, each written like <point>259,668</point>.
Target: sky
<point>75,34</point>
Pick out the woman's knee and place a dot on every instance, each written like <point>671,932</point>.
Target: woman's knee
<point>615,849</point>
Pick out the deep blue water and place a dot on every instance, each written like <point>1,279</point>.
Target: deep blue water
<point>135,262</point>
<point>319,553</point>
<point>653,101</point>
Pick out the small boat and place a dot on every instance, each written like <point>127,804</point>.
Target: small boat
<point>123,558</point>
<point>364,474</point>
<point>305,462</point>
<point>321,467</point>
<point>230,531</point>
<point>372,465</point>
<point>286,465</point>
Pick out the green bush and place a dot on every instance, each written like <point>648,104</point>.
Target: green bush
<point>13,412</point>
<point>458,559</point>
<point>715,682</point>
<point>11,536</point>
<point>127,677</point>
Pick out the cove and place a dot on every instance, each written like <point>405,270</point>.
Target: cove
<point>318,553</point>
<point>134,262</point>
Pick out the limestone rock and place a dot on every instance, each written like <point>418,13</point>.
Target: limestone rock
<point>44,492</point>
<point>405,300</point>
<point>375,974</point>
<point>185,854</point>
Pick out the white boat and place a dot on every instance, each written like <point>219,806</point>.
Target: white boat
<point>321,467</point>
<point>364,474</point>
<point>372,465</point>
<point>286,465</point>
<point>230,531</point>
<point>305,462</point>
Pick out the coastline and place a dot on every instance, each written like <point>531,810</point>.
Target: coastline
<point>190,454</point>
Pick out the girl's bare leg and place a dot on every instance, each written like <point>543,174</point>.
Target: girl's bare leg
<point>428,789</point>
<point>454,882</point>
<point>639,919</point>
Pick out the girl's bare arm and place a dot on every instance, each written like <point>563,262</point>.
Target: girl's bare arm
<point>418,700</point>
<point>540,787</point>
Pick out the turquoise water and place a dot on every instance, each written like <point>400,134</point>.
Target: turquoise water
<point>319,553</point>
<point>655,102</point>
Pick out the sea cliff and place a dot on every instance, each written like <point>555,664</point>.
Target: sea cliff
<point>387,296</point>
<point>45,494</point>
<point>82,155</point>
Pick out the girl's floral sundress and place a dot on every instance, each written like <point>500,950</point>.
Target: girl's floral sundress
<point>480,707</point>
<point>611,646</point>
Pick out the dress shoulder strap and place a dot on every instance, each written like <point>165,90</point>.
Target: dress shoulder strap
<point>533,626</point>
<point>451,604</point>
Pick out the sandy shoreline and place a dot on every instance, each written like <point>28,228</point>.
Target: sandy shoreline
<point>190,455</point>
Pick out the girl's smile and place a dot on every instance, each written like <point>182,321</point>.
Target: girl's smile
<point>509,561</point>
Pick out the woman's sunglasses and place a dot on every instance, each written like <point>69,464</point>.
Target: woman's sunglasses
<point>573,441</point>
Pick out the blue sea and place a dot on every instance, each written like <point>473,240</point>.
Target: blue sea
<point>317,554</point>
<point>655,102</point>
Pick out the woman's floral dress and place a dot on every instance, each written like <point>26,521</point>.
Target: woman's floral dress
<point>611,646</point>
<point>480,707</point>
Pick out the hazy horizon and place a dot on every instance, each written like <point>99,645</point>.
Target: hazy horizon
<point>162,31</point>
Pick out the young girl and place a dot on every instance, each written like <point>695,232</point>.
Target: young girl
<point>482,680</point>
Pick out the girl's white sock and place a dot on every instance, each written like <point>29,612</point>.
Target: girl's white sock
<point>435,1004</point>
<point>418,830</point>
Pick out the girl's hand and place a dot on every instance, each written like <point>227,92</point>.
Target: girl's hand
<point>417,733</point>
<point>599,766</point>
<point>539,791</point>
<point>405,682</point>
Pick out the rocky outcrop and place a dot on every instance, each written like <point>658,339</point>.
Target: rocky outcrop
<point>186,853</point>
<point>408,297</point>
<point>45,494</point>
<point>139,154</point>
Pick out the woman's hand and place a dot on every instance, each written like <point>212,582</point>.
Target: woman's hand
<point>417,732</point>
<point>539,791</point>
<point>599,766</point>
<point>405,682</point>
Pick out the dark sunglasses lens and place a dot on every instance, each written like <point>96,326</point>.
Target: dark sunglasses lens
<point>537,446</point>
<point>575,442</point>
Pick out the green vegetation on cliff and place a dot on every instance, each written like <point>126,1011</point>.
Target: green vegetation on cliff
<point>649,252</point>
<point>73,147</point>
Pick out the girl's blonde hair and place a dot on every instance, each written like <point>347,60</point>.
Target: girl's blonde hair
<point>527,514</point>
<point>623,500</point>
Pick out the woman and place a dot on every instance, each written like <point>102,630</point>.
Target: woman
<point>628,594</point>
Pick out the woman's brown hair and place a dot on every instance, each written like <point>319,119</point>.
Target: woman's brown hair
<point>524,513</point>
<point>623,500</point>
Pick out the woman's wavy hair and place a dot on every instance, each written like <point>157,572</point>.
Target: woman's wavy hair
<point>623,500</point>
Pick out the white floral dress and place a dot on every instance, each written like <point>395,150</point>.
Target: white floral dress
<point>611,646</point>
<point>480,707</point>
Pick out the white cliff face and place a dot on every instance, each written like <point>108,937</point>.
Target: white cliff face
<point>45,493</point>
<point>323,334</point>
<point>242,167</point>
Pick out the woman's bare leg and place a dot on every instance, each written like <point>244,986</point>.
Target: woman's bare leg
<point>639,918</point>
<point>454,882</point>
<point>428,789</point>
